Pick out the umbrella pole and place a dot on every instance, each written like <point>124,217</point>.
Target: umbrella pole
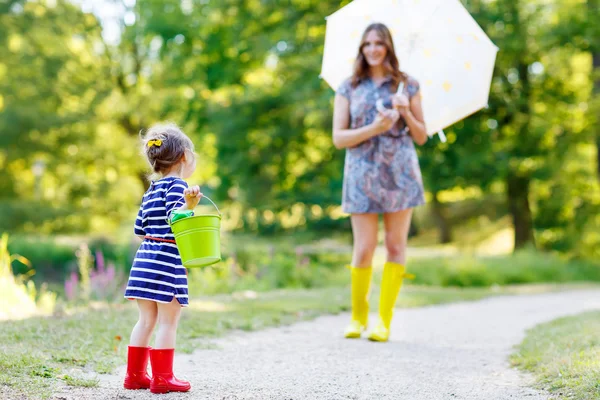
<point>442,136</point>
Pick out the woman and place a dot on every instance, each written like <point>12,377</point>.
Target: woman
<point>381,173</point>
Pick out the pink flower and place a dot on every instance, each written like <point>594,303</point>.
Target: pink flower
<point>71,286</point>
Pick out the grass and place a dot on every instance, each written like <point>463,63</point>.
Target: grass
<point>80,382</point>
<point>39,354</point>
<point>564,355</point>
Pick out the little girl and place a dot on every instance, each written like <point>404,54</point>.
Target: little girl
<point>158,280</point>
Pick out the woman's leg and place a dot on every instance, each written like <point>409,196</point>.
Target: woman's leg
<point>364,234</point>
<point>396,235</point>
<point>364,231</point>
<point>394,271</point>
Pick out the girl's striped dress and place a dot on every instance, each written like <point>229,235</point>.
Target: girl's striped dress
<point>157,273</point>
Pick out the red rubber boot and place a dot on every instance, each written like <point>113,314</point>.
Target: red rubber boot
<point>163,380</point>
<point>137,362</point>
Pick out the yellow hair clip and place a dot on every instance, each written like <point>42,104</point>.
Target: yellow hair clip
<point>156,143</point>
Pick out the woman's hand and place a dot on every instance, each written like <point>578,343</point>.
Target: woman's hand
<point>192,196</point>
<point>401,103</point>
<point>385,120</point>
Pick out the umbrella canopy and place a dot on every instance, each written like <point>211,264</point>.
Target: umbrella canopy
<point>436,41</point>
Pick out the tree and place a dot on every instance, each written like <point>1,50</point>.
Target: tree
<point>593,34</point>
<point>51,78</point>
<point>465,160</point>
<point>532,102</point>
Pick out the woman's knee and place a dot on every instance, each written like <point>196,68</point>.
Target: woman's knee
<point>363,254</point>
<point>395,248</point>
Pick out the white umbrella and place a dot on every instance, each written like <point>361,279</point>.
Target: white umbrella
<point>436,41</point>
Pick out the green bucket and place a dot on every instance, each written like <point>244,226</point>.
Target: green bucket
<point>199,239</point>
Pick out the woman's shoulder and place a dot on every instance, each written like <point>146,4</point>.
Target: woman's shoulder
<point>345,88</point>
<point>347,81</point>
<point>411,80</point>
<point>412,85</point>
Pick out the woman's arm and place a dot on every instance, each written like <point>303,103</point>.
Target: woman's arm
<point>414,119</point>
<point>412,112</point>
<point>344,137</point>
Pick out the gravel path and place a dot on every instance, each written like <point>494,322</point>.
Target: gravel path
<point>455,351</point>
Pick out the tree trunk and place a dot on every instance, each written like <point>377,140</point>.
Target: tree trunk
<point>413,230</point>
<point>596,100</point>
<point>518,204</point>
<point>595,48</point>
<point>441,220</point>
<point>518,186</point>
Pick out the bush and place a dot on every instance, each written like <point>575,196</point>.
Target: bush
<point>263,269</point>
<point>524,267</point>
<point>20,298</point>
<point>54,260</point>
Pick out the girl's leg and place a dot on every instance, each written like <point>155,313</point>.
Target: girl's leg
<point>364,231</point>
<point>161,356</point>
<point>168,319</point>
<point>394,270</point>
<point>148,312</point>
<point>138,352</point>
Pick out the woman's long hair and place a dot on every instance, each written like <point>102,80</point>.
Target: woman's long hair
<point>390,64</point>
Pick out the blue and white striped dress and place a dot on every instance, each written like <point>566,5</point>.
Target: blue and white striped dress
<point>157,273</point>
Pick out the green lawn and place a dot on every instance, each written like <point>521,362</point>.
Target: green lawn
<point>40,353</point>
<point>564,355</point>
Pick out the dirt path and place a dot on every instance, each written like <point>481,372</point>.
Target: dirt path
<point>456,351</point>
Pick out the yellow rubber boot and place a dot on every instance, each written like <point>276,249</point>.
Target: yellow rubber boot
<point>391,282</point>
<point>361,283</point>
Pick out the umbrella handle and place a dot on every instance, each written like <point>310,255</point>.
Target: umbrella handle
<point>400,88</point>
<point>379,106</point>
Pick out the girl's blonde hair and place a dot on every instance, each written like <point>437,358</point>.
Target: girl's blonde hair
<point>164,145</point>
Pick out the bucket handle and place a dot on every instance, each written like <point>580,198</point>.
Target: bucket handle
<point>203,197</point>
<point>213,203</point>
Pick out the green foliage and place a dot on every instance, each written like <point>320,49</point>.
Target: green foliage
<point>66,166</point>
<point>523,267</point>
<point>273,263</point>
<point>245,86</point>
<point>20,297</point>
<point>54,258</point>
<point>268,269</point>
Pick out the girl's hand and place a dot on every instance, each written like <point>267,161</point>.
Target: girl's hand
<point>192,196</point>
<point>401,103</point>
